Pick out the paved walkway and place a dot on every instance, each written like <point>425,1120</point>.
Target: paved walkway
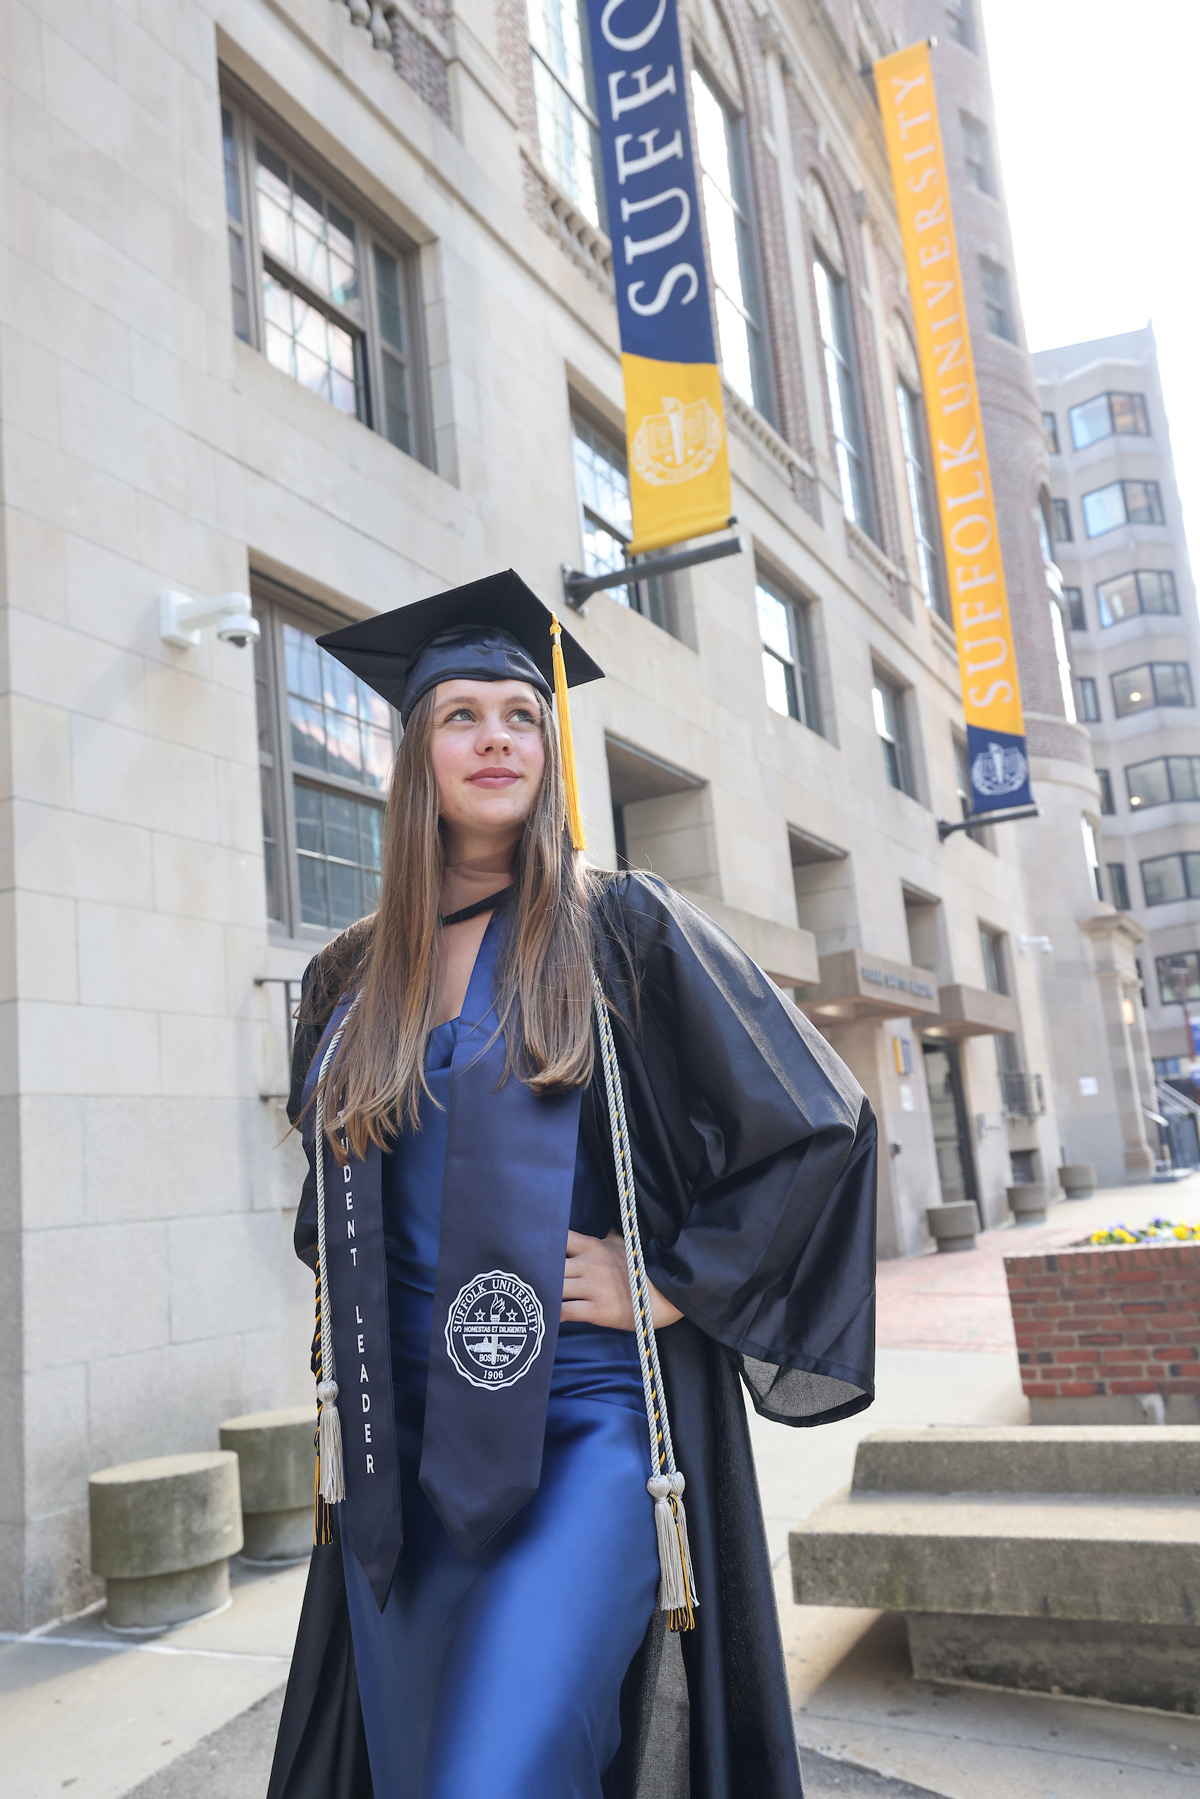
<point>192,1713</point>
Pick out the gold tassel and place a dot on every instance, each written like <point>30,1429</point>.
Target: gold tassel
<point>562,706</point>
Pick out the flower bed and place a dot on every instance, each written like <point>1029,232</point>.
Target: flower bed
<point>1159,1230</point>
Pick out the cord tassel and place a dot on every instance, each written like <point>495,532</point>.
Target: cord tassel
<point>329,1445</point>
<point>562,707</point>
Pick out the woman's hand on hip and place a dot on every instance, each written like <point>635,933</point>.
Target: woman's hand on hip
<point>596,1285</point>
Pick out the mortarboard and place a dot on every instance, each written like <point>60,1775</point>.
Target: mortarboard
<point>495,629</point>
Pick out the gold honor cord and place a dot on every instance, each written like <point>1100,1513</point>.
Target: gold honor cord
<point>677,1587</point>
<point>562,706</point>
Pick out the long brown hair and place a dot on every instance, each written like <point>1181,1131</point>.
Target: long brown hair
<point>374,1084</point>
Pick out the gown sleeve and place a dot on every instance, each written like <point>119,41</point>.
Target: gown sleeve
<point>776,1142</point>
<point>304,1046</point>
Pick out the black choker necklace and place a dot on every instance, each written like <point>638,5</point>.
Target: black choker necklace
<point>484,905</point>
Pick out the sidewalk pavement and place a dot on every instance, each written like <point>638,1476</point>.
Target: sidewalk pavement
<point>192,1712</point>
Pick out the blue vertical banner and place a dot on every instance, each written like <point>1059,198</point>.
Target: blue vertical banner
<point>674,412</point>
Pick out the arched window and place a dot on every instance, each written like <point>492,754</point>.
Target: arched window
<point>841,361</point>
<point>918,469</point>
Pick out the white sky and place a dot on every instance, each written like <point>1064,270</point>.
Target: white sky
<point>1098,115</point>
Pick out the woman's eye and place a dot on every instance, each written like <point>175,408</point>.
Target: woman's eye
<point>523,716</point>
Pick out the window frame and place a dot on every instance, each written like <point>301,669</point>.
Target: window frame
<point>976,136</point>
<point>373,231</point>
<point>993,949</point>
<point>990,270</point>
<point>752,306</point>
<point>802,685</point>
<point>1060,515</point>
<point>1089,700</point>
<point>585,107</point>
<point>1108,804</point>
<point>1152,670</point>
<point>1076,610</point>
<point>275,606</point>
<point>841,316</point>
<point>1170,998</point>
<point>1136,576</point>
<point>961,15</point>
<point>1139,803</point>
<point>1050,428</point>
<point>918,470</point>
<point>1118,885</point>
<point>1189,864</point>
<point>651,599</point>
<point>898,766</point>
<point>1124,483</point>
<point>1114,430</point>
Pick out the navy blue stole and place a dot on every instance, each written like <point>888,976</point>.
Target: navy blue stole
<point>506,1206</point>
<point>370,1519</point>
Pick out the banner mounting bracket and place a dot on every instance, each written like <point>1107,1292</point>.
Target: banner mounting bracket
<point>578,587</point>
<point>946,829</point>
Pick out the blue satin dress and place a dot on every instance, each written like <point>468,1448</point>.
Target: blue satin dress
<point>500,1677</point>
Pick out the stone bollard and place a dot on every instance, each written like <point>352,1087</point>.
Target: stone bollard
<point>162,1535</point>
<point>1028,1202</point>
<point>1078,1179</point>
<point>953,1227</point>
<point>276,1454</point>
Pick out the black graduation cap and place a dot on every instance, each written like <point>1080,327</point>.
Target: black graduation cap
<point>495,629</point>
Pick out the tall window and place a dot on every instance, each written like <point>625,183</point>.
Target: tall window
<point>1178,977</point>
<point>966,799</point>
<point>786,654</point>
<point>1106,792</point>
<point>1148,590</point>
<point>978,154</point>
<point>1063,660</point>
<point>995,973</point>
<point>1152,684</point>
<point>1050,427</point>
<point>606,517</point>
<point>1061,516</point>
<point>1163,779</point>
<point>997,301</point>
<point>887,704</point>
<point>1118,885</point>
<point>1091,855</point>
<point>1089,700</point>
<point>326,742</point>
<point>568,130</point>
<point>960,18</point>
<point>1168,878</point>
<point>327,299</point>
<point>1075,612</point>
<point>1122,503</point>
<point>727,217</point>
<point>841,380</point>
<point>920,497</point>
<point>1108,415</point>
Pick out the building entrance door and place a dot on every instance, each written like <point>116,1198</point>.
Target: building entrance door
<point>951,1129</point>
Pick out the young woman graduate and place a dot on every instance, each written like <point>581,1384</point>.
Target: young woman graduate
<point>547,1110</point>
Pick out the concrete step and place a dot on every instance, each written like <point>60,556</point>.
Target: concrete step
<point>1124,1559</point>
<point>1114,1459</point>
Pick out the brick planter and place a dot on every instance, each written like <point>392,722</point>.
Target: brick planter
<point>1100,1331</point>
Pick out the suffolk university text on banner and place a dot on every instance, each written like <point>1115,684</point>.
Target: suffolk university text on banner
<point>675,419</point>
<point>986,657</point>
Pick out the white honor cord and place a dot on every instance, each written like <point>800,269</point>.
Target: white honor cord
<point>329,1443</point>
<point>677,1590</point>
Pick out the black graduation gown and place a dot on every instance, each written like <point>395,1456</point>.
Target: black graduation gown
<point>754,1156</point>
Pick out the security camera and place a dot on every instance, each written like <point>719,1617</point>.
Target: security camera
<point>181,620</point>
<point>238,628</point>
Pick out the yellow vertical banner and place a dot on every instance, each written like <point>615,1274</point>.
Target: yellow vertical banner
<point>975,571</point>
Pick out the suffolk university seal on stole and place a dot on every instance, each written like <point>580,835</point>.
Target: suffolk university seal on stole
<point>494,1329</point>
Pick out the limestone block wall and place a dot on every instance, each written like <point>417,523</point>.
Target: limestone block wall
<point>1097,1329</point>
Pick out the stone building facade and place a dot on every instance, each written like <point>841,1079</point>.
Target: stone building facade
<point>1135,647</point>
<point>313,305</point>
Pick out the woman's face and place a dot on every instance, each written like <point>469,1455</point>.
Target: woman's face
<point>487,754</point>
